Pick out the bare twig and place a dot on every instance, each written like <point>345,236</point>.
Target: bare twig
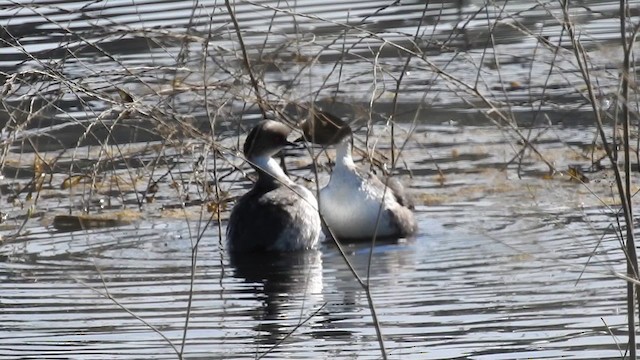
<point>245,58</point>
<point>624,188</point>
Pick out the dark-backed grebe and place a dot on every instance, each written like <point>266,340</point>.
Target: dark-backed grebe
<point>354,205</point>
<point>276,214</point>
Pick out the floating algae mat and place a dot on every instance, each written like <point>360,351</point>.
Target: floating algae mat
<point>85,222</point>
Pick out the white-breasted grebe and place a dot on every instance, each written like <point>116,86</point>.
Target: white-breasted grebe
<point>355,205</point>
<point>276,214</point>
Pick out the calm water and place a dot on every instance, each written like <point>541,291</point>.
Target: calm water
<point>509,262</point>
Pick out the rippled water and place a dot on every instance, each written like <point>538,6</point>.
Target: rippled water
<point>511,269</point>
<point>511,261</point>
<point>175,54</point>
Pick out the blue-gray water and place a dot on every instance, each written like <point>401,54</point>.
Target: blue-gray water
<point>511,261</point>
<point>502,268</point>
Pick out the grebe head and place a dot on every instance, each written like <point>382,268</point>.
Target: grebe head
<point>326,129</point>
<point>266,139</point>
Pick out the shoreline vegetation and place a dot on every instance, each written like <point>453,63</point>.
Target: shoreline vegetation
<point>109,118</point>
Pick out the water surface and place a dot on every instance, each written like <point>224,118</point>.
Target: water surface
<point>142,106</point>
<point>504,269</point>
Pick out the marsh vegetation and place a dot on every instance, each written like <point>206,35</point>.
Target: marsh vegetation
<point>513,126</point>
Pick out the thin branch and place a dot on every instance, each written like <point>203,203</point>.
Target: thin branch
<point>245,58</point>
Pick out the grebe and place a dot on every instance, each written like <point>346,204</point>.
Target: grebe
<point>276,214</point>
<point>357,206</point>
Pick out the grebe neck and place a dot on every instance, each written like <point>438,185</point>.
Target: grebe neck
<point>343,155</point>
<point>269,167</point>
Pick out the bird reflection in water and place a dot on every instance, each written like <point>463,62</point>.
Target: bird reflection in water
<point>286,282</point>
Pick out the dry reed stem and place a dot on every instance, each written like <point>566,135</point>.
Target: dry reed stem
<point>623,181</point>
<point>142,105</point>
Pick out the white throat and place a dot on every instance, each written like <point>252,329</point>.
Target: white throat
<point>271,166</point>
<point>344,160</point>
